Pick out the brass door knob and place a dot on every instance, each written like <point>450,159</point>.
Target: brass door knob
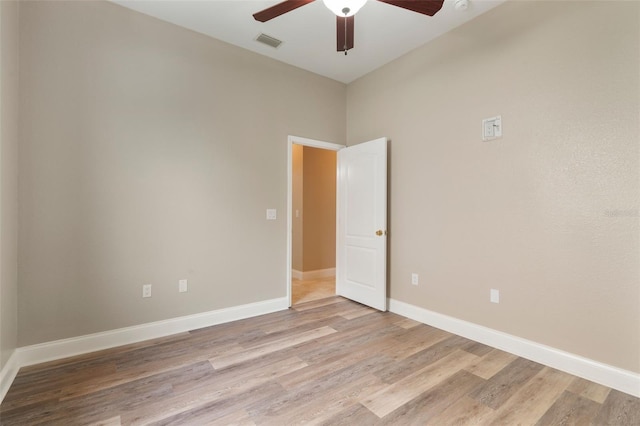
<point>379,232</point>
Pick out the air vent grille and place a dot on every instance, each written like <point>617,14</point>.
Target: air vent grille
<point>269,41</point>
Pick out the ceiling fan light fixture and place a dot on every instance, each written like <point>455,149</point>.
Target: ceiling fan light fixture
<point>461,4</point>
<point>344,8</point>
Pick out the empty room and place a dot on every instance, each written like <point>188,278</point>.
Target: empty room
<point>478,258</point>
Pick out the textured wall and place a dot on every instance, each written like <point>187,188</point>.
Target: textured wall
<point>297,163</point>
<point>8,179</point>
<point>319,209</point>
<point>549,213</point>
<point>149,153</point>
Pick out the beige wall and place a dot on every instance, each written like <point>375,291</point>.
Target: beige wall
<point>297,163</point>
<point>314,196</point>
<point>319,182</point>
<point>149,153</point>
<point>8,179</point>
<point>549,213</point>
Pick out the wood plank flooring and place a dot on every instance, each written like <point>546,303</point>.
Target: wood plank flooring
<point>329,362</point>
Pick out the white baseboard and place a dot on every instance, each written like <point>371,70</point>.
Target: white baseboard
<point>607,375</point>
<point>616,378</point>
<point>318,274</point>
<point>58,349</point>
<point>7,374</point>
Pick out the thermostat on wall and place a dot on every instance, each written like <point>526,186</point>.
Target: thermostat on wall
<point>492,128</point>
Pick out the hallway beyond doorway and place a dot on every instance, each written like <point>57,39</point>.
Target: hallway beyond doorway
<point>308,290</point>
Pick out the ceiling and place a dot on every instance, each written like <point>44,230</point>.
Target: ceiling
<point>382,32</point>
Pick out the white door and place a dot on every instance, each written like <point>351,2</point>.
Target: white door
<point>361,244</point>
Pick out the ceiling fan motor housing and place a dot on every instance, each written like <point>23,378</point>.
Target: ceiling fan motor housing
<point>344,7</point>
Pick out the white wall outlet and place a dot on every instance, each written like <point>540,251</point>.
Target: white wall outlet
<point>146,290</point>
<point>414,279</point>
<point>494,296</point>
<point>271,214</point>
<point>182,286</point>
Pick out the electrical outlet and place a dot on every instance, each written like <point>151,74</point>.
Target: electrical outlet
<point>414,279</point>
<point>146,290</point>
<point>182,286</point>
<point>494,296</point>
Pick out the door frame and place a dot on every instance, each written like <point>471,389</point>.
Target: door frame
<point>291,140</point>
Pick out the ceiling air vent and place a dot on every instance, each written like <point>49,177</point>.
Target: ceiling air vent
<point>269,41</point>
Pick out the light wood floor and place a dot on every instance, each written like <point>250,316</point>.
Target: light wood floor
<point>330,362</point>
<point>308,290</point>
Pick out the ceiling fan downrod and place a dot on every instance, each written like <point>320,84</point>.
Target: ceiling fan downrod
<point>346,11</point>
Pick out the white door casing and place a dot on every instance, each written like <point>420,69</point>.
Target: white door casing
<point>361,241</point>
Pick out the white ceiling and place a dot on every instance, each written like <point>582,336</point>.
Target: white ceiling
<point>382,32</point>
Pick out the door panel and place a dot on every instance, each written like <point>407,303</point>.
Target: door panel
<point>362,211</point>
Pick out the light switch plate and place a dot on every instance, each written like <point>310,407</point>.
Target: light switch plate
<point>271,214</point>
<point>495,296</point>
<point>182,286</point>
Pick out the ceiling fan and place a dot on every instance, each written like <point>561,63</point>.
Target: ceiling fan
<point>345,11</point>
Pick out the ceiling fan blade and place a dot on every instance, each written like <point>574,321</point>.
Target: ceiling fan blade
<point>345,33</point>
<point>426,7</point>
<point>279,9</point>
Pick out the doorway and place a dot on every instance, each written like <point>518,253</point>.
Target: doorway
<point>311,219</point>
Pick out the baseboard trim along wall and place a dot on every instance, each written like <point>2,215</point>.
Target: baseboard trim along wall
<point>8,373</point>
<point>604,374</point>
<point>607,375</point>
<point>58,349</point>
<point>318,274</point>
